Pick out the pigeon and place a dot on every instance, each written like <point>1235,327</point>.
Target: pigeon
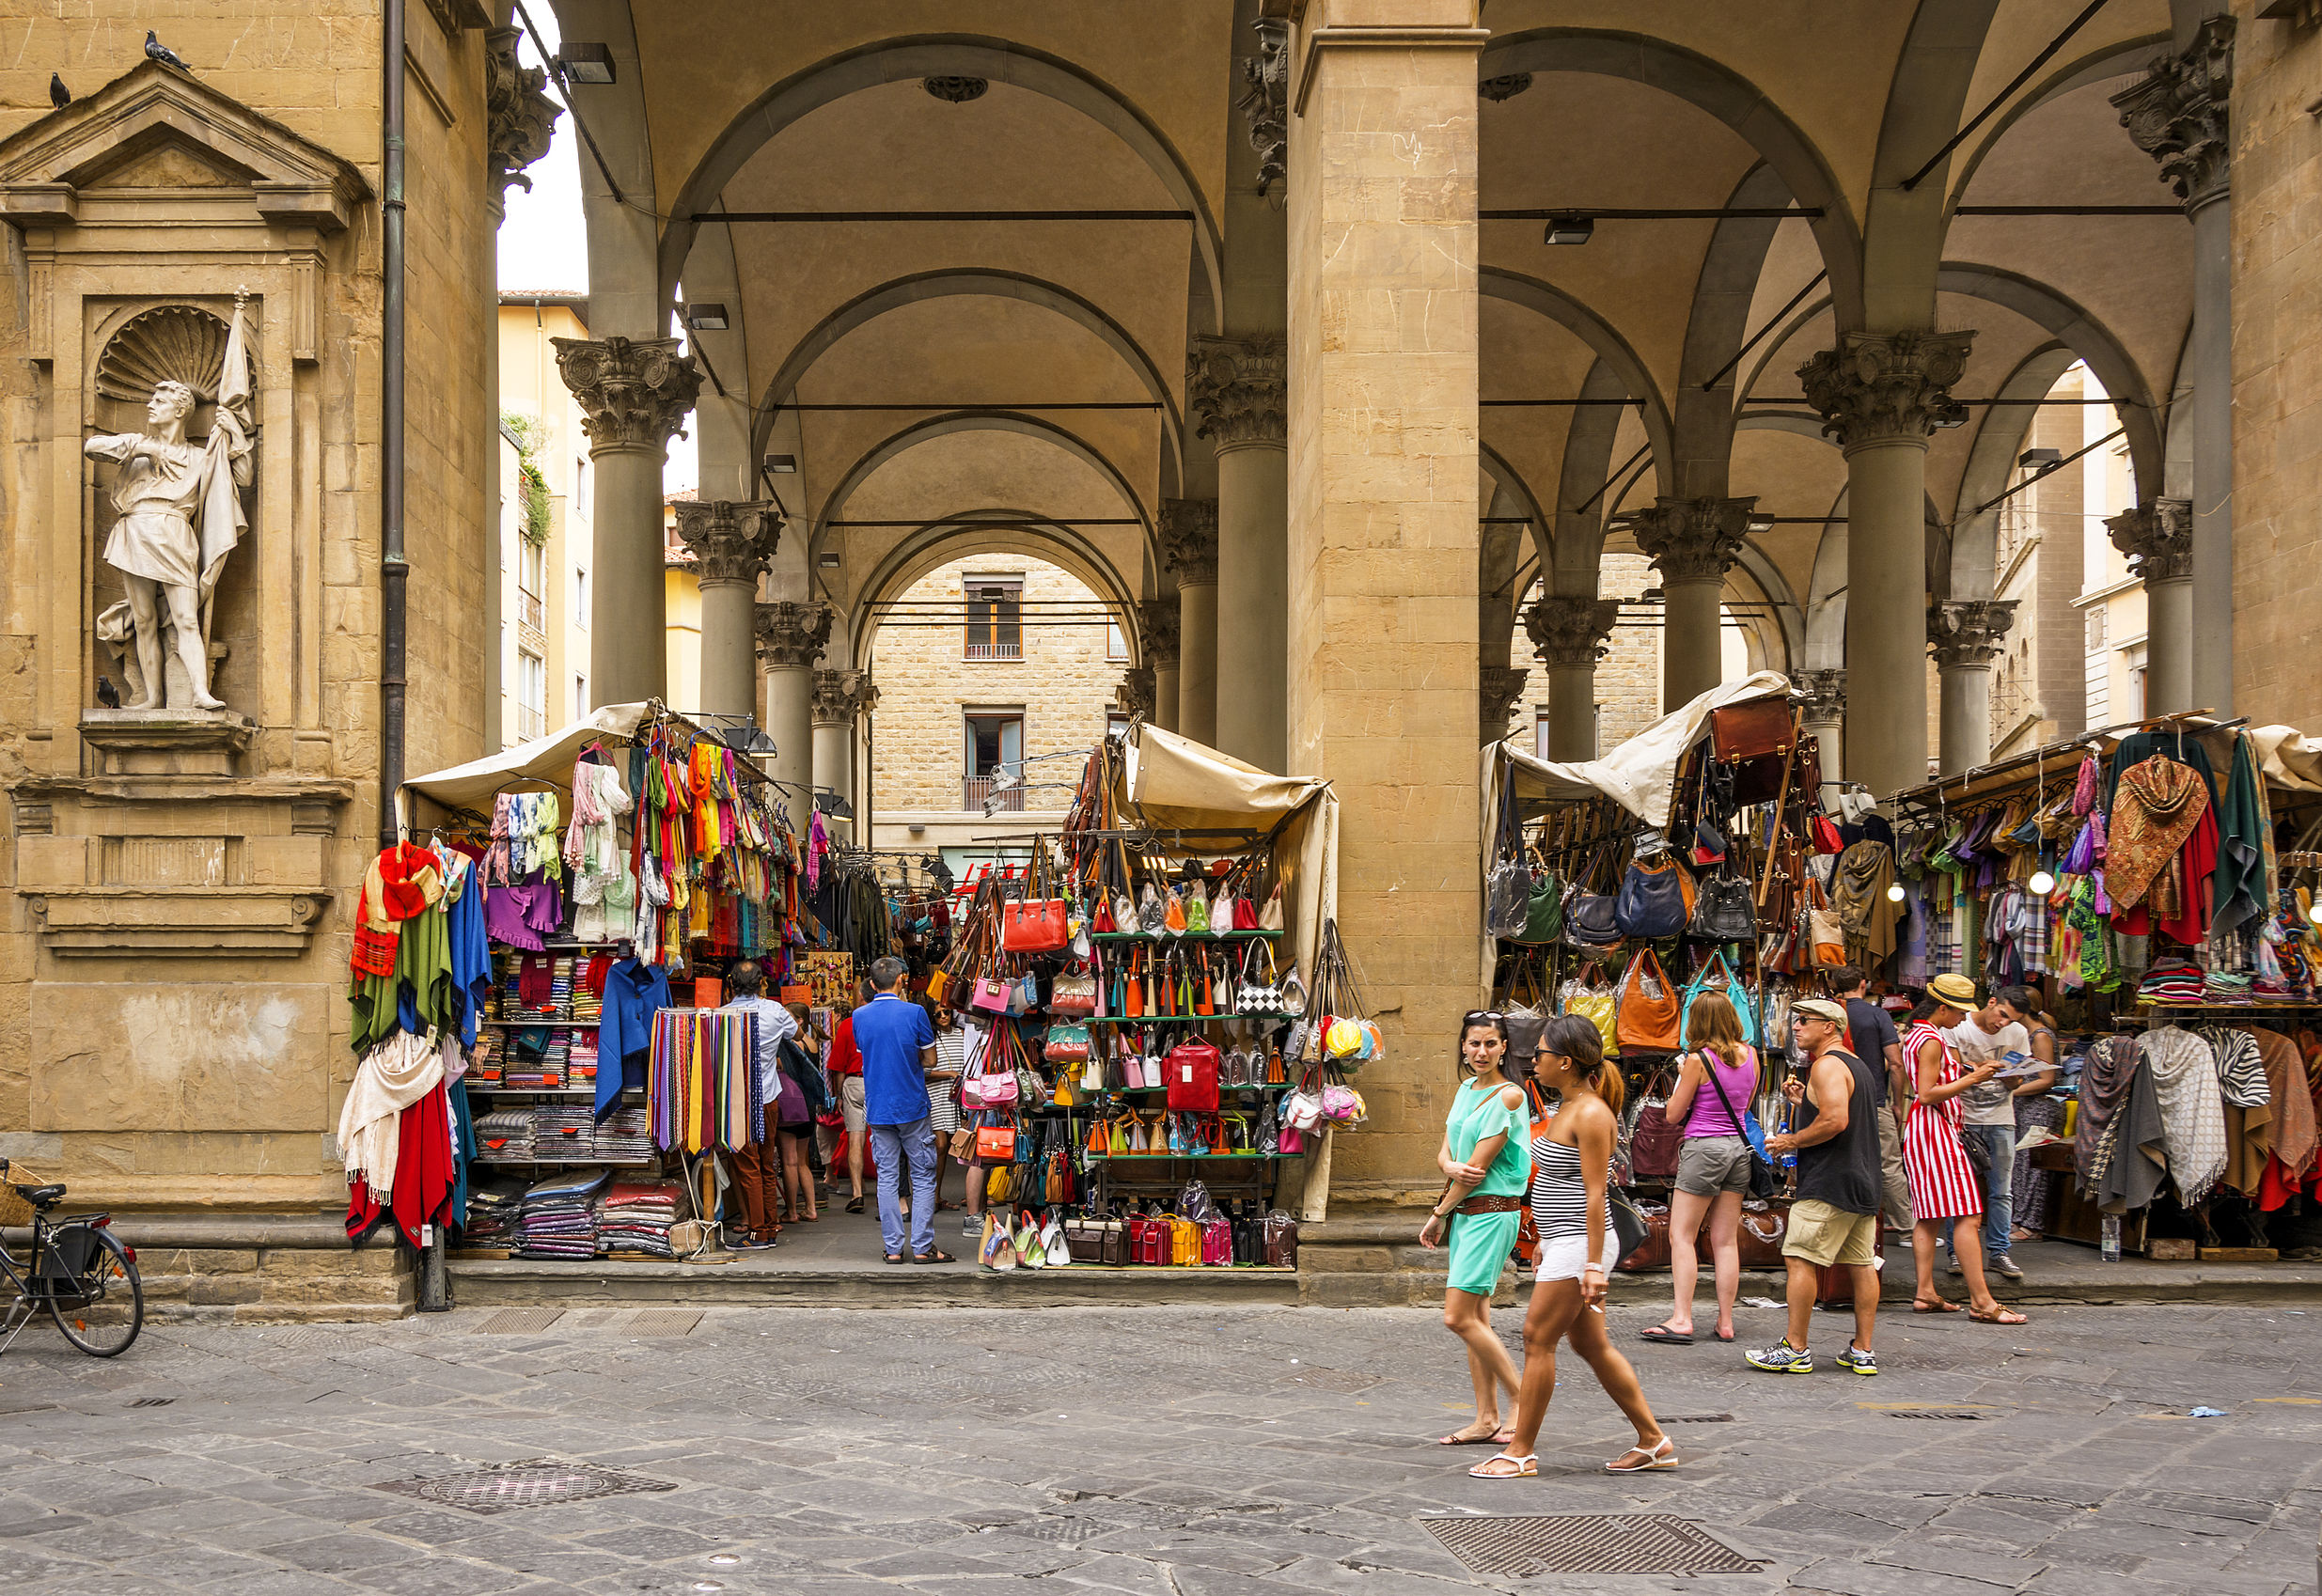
<point>108,694</point>
<point>156,50</point>
<point>58,95</point>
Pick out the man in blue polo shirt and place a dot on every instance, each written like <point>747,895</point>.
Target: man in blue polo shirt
<point>898,1047</point>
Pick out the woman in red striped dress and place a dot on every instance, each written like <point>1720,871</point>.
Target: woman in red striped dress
<point>1944,1190</point>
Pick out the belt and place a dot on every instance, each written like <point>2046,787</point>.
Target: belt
<point>1491,1205</point>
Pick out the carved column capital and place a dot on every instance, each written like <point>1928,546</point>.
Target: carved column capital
<point>1238,390</point>
<point>520,117</point>
<point>1136,696</point>
<point>1883,385</point>
<point>1265,104</point>
<point>1156,623</point>
<point>792,635</point>
<point>843,696</point>
<point>1691,539</point>
<point>1968,632</point>
<point>1570,628</point>
<point>1825,692</point>
<point>2158,538</point>
<point>1189,541</point>
<point>2179,114</point>
<point>731,542</point>
<point>633,393</point>
<point>1498,690</point>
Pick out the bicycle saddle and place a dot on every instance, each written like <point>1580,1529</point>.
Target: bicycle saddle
<point>41,1197</point>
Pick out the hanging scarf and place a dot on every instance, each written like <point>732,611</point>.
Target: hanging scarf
<point>2104,1086</point>
<point>2084,788</point>
<point>2158,804</point>
<point>394,1075</point>
<point>402,881</point>
<point>2241,1070</point>
<point>2192,1112</point>
<point>1864,872</point>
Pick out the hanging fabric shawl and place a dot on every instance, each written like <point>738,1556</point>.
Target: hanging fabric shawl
<point>2158,804</point>
<point>2104,1084</point>
<point>1865,871</point>
<point>2192,1113</point>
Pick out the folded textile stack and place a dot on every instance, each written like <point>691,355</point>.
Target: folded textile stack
<point>636,1216</point>
<point>483,1062</point>
<point>528,1059</point>
<point>492,1210</point>
<point>580,1065</point>
<point>559,1049</point>
<point>560,1218</point>
<point>626,1135</point>
<point>2222,986</point>
<point>587,1006</point>
<point>564,1131</point>
<point>560,986</point>
<point>2173,982</point>
<point>504,1136</point>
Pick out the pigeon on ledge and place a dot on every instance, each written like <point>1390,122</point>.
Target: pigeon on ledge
<point>58,95</point>
<point>156,50</point>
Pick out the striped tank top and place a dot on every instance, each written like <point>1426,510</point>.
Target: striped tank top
<point>1560,1197</point>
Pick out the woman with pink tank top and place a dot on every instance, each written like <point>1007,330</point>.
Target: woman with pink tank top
<point>1715,1085</point>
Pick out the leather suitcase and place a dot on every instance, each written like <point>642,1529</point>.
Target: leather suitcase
<point>1752,730</point>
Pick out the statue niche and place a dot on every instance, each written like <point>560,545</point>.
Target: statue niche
<point>177,381</point>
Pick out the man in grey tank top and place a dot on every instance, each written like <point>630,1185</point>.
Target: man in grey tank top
<point>1834,1215</point>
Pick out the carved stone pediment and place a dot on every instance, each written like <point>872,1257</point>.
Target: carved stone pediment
<point>178,922</point>
<point>155,130</point>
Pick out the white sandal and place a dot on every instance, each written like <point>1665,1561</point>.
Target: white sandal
<point>1656,1457</point>
<point>1526,1466</point>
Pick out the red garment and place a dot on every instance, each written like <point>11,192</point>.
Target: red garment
<point>844,1059</point>
<point>600,966</point>
<point>423,1174</point>
<point>536,982</point>
<point>401,897</point>
<point>2198,859</point>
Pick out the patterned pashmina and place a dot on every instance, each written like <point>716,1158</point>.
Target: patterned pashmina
<point>2241,1071</point>
<point>2192,1112</point>
<point>2104,1083</point>
<point>2159,804</point>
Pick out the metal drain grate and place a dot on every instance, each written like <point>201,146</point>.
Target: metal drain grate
<point>1937,1413</point>
<point>152,1402</point>
<point>1696,1418</point>
<point>518,1321</point>
<point>662,1322</point>
<point>1059,1529</point>
<point>505,1486</point>
<point>1518,1548</point>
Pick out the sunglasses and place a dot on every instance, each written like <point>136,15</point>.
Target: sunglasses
<point>1480,1017</point>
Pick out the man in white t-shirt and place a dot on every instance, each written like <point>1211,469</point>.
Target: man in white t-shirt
<point>1987,1116</point>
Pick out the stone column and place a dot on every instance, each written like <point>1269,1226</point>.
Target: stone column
<point>1880,394</point>
<point>2158,538</point>
<point>1157,624</point>
<point>1190,547</point>
<point>841,698</point>
<point>1236,391</point>
<point>1825,715</point>
<point>1496,694</point>
<point>1568,632</point>
<point>520,124</point>
<point>1384,657</point>
<point>2178,113</point>
<point>732,545</point>
<point>633,395</point>
<point>790,638</point>
<point>1134,695</point>
<point>1692,542</point>
<point>1965,636</point>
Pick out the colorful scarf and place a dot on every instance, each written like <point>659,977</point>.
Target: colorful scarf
<point>2158,804</point>
<point>2104,1086</point>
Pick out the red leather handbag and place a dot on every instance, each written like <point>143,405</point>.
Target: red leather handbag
<point>1190,1072</point>
<point>1034,926</point>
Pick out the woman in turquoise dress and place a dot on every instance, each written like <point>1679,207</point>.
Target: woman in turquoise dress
<point>1487,1162</point>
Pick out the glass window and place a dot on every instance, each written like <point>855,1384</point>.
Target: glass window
<point>580,485</point>
<point>532,695</point>
<point>580,695</point>
<point>580,597</point>
<point>993,758</point>
<point>994,618</point>
<point>1116,642</point>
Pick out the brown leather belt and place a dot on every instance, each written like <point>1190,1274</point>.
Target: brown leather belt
<point>1491,1205</point>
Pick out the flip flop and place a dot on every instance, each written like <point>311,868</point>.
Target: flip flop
<point>1668,1337</point>
<point>1656,1457</point>
<point>1722,1335</point>
<point>1940,1307</point>
<point>1497,1438</point>
<point>1527,1467</point>
<point>2005,1316</point>
<point>856,1207</point>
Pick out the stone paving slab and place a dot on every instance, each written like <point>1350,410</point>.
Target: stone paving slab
<point>1152,1451</point>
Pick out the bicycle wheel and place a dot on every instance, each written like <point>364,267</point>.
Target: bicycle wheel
<point>103,1309</point>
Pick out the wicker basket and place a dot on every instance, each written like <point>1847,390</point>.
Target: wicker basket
<point>15,1209</point>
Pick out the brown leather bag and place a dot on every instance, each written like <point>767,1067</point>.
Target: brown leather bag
<point>1648,1015</point>
<point>1752,730</point>
<point>1654,1141</point>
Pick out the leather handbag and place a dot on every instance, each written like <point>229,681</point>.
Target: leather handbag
<point>991,994</point>
<point>1073,993</point>
<point>1752,730</point>
<point>995,1143</point>
<point>1543,910</point>
<point>1595,1003</point>
<point>1067,1044</point>
<point>1722,910</point>
<point>1651,901</point>
<point>1729,988</point>
<point>1654,1139</point>
<point>1033,926</point>
<point>1649,1019</point>
<point>1590,920</point>
<point>1190,1074</point>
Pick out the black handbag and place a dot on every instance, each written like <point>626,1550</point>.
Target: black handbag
<point>1629,1229</point>
<point>1651,901</point>
<point>1722,910</point>
<point>1589,920</point>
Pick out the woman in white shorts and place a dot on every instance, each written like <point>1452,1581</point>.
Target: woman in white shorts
<point>1572,1175</point>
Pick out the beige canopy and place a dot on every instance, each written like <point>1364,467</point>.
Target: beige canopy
<point>470,786</point>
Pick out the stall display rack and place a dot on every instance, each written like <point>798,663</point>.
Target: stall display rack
<point>1182,936</point>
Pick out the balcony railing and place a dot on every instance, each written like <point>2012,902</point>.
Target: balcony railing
<point>996,650</point>
<point>978,789</point>
<point>531,723</point>
<point>532,611</point>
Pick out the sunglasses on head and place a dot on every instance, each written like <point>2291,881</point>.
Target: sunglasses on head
<point>1480,1017</point>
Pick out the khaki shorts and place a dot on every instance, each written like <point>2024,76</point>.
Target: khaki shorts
<point>1822,1235</point>
<point>1709,1165</point>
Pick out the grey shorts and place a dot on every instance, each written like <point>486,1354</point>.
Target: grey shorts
<point>1709,1165</point>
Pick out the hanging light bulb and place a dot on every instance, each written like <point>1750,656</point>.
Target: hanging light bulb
<point>2040,884</point>
<point>1894,892</point>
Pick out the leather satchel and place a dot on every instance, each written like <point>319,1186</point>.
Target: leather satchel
<point>1544,912</point>
<point>1190,1074</point>
<point>1589,920</point>
<point>1655,1141</point>
<point>1722,910</point>
<point>1651,903</point>
<point>1651,1018</point>
<point>1752,729</point>
<point>1033,926</point>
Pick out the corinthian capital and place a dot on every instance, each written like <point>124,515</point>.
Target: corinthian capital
<point>633,393</point>
<point>2158,538</point>
<point>1570,628</point>
<point>1498,691</point>
<point>1156,623</point>
<point>1238,390</point>
<point>1135,696</point>
<point>1825,692</point>
<point>1968,632</point>
<point>840,696</point>
<point>1189,541</point>
<point>731,542</point>
<point>1691,539</point>
<point>2178,113</point>
<point>791,635</point>
<point>520,117</point>
<point>1265,104</point>
<point>1877,385</point>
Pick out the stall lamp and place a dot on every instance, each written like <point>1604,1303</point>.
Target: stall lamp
<point>706,318</point>
<point>585,63</point>
<point>2040,460</point>
<point>1894,892</point>
<point>782,464</point>
<point>1571,229</point>
<point>2040,884</point>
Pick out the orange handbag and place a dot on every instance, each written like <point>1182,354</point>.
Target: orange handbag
<point>1650,1007</point>
<point>995,1143</point>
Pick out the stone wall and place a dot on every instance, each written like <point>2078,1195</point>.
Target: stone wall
<point>2277,202</point>
<point>1063,685</point>
<point>1628,677</point>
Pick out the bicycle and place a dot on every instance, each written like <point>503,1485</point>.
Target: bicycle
<point>78,1270</point>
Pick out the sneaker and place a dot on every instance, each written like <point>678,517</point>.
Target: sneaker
<point>1951,1263</point>
<point>1858,1361</point>
<point>2006,1265</point>
<point>1781,1358</point>
<point>972,1227</point>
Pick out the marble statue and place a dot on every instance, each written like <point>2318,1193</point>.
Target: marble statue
<point>178,514</point>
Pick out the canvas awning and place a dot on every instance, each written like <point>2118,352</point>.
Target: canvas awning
<point>470,786</point>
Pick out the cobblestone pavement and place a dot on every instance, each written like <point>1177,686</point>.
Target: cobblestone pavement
<point>1161,1451</point>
